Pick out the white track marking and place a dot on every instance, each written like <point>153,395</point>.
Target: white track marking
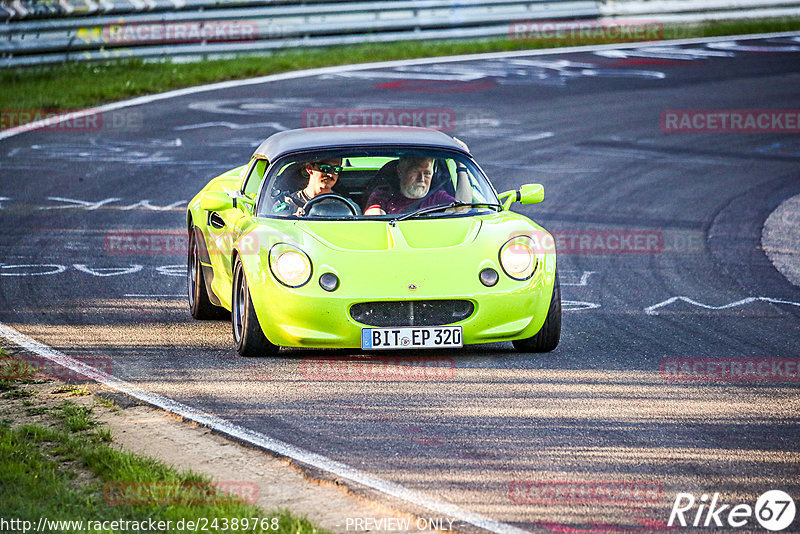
<point>652,310</point>
<point>665,52</point>
<point>583,281</point>
<point>47,269</point>
<point>108,271</point>
<point>736,47</point>
<point>143,296</point>
<point>533,137</point>
<point>232,126</point>
<point>258,439</point>
<point>89,206</point>
<point>385,64</point>
<point>577,305</point>
<point>148,205</point>
<point>405,75</point>
<point>55,269</point>
<point>2,199</point>
<point>172,270</point>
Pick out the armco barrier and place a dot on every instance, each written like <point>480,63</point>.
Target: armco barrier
<point>69,30</point>
<point>231,30</point>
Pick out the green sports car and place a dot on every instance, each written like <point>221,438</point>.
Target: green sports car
<point>370,238</point>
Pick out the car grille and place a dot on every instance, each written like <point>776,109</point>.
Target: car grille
<point>412,312</point>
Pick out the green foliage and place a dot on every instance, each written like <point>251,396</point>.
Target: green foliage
<point>66,474</point>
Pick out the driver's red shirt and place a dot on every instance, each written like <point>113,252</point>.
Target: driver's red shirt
<point>397,203</point>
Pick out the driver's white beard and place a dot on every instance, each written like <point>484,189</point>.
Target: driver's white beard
<point>417,191</point>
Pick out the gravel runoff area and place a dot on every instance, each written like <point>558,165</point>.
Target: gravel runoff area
<point>780,239</point>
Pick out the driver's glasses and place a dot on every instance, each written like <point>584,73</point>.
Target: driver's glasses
<point>329,169</point>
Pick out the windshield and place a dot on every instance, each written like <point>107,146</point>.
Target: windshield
<point>376,183</point>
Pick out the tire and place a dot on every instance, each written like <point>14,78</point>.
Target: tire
<point>200,305</point>
<point>248,336</point>
<point>548,337</point>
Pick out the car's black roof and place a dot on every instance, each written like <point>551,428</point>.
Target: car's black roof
<point>321,138</point>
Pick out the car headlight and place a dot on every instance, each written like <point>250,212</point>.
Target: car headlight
<point>290,265</point>
<point>517,258</point>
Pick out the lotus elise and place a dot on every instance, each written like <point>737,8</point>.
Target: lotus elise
<point>370,238</point>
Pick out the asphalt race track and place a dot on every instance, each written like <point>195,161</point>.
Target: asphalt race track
<point>499,432</point>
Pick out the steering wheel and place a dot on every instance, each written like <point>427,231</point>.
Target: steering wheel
<point>354,210</point>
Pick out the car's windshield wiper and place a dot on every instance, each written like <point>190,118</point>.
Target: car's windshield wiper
<point>441,207</point>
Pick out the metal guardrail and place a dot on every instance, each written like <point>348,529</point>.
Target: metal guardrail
<point>257,29</point>
<point>220,28</point>
<point>36,9</point>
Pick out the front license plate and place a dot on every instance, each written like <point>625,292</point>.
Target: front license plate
<point>411,337</point>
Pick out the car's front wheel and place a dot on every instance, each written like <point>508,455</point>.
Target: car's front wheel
<point>247,334</point>
<point>548,337</point>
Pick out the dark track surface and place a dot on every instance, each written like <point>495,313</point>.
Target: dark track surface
<point>585,126</point>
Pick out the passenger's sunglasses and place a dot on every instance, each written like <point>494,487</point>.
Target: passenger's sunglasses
<point>329,169</point>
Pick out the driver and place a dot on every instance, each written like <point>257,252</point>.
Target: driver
<point>412,186</point>
<point>322,176</point>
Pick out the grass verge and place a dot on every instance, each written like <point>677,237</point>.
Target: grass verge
<point>74,86</point>
<point>63,469</point>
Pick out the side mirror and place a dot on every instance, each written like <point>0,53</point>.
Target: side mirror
<point>216,201</point>
<point>526,194</point>
<point>531,194</point>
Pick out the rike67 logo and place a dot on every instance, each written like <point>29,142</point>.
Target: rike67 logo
<point>774,510</point>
